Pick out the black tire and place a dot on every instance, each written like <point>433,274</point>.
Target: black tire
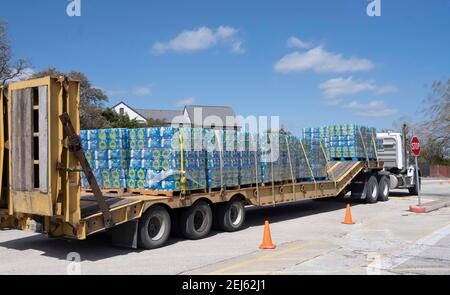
<point>230,215</point>
<point>413,190</point>
<point>196,221</point>
<point>371,190</point>
<point>154,228</point>
<point>383,189</point>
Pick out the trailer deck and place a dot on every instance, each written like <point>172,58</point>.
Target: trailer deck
<point>128,206</point>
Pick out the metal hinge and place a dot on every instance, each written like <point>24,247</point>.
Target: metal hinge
<point>60,167</point>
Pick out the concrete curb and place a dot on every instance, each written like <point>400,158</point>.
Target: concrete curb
<point>428,207</point>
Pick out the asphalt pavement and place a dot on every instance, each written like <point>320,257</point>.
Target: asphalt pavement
<point>310,237</point>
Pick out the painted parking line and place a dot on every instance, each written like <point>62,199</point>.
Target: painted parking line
<point>235,267</point>
<point>402,256</point>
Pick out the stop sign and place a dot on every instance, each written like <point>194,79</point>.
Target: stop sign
<point>415,146</point>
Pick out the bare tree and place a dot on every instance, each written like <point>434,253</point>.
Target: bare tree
<point>436,127</point>
<point>8,69</point>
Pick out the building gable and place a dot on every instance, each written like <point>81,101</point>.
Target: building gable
<point>124,109</point>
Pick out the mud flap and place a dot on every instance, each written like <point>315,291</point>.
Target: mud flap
<point>125,235</point>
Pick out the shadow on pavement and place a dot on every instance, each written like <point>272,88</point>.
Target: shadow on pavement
<point>397,194</point>
<point>98,246</point>
<point>257,216</point>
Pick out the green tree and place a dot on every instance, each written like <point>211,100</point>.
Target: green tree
<point>155,123</point>
<point>119,121</point>
<point>91,99</point>
<point>9,70</point>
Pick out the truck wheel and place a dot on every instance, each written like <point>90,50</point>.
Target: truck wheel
<point>154,228</point>
<point>231,215</point>
<point>383,189</point>
<point>196,221</point>
<point>413,190</point>
<point>371,190</point>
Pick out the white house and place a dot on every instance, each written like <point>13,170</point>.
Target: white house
<point>123,109</point>
<point>216,117</point>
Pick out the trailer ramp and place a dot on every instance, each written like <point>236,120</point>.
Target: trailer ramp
<point>343,172</point>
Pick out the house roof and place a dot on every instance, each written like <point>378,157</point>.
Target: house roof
<point>162,115</point>
<point>220,111</point>
<point>177,117</point>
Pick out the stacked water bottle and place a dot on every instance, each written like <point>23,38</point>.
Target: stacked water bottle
<point>160,157</point>
<point>108,155</point>
<point>266,157</point>
<point>352,141</point>
<point>222,158</point>
<point>174,159</point>
<point>249,158</point>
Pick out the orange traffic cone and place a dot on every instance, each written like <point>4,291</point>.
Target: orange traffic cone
<point>348,216</point>
<point>267,238</point>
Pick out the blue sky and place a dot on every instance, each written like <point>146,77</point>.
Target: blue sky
<point>310,62</point>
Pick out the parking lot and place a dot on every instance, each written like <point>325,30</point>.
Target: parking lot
<point>310,239</point>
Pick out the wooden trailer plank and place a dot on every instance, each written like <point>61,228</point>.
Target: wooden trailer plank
<point>22,158</point>
<point>43,139</point>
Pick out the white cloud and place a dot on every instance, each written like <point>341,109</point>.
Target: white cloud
<point>341,86</point>
<point>200,39</point>
<point>294,42</point>
<point>186,102</point>
<point>386,89</point>
<point>321,61</point>
<point>116,92</point>
<point>142,91</point>
<point>236,47</point>
<point>225,32</point>
<point>374,108</point>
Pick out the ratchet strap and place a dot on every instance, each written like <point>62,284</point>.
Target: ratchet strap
<point>309,166</point>
<point>183,172</point>
<point>329,171</point>
<point>364,146</point>
<point>292,170</point>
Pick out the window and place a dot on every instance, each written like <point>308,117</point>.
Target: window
<point>121,111</point>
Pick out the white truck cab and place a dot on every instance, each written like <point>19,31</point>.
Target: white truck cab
<point>394,152</point>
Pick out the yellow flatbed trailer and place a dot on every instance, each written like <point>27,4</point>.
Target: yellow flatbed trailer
<point>41,180</point>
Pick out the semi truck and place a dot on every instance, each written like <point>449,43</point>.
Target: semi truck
<point>41,158</point>
<point>395,155</point>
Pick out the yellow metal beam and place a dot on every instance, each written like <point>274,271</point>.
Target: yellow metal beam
<point>63,187</point>
<point>2,144</point>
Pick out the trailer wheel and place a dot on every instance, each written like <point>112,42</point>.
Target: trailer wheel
<point>383,189</point>
<point>196,221</point>
<point>371,190</point>
<point>154,228</point>
<point>231,215</point>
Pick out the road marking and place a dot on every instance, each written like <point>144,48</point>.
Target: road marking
<point>426,269</point>
<point>263,258</point>
<point>400,257</point>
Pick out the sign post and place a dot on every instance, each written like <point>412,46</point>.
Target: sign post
<point>415,148</point>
